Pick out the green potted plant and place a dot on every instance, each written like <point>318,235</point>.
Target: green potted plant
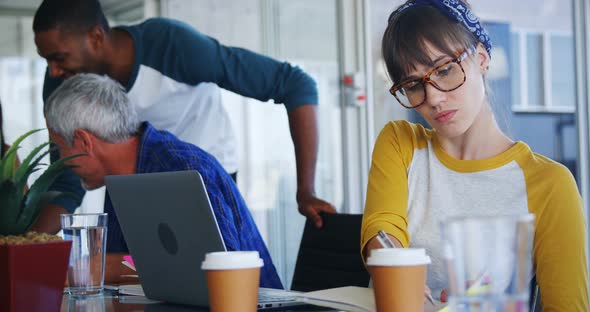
<point>33,266</point>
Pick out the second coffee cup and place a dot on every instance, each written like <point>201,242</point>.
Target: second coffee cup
<point>233,278</point>
<point>399,277</point>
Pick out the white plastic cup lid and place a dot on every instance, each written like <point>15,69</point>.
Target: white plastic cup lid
<point>232,260</point>
<point>398,257</point>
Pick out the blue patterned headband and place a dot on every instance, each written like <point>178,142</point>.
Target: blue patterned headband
<point>455,10</point>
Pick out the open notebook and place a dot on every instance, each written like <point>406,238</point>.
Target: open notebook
<point>351,298</point>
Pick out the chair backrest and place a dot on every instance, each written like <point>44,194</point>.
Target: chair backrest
<point>330,257</point>
<point>535,297</point>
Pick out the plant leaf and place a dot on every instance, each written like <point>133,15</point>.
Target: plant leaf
<point>7,164</point>
<point>18,211</point>
<point>26,163</point>
<point>22,175</point>
<point>47,198</point>
<point>10,203</point>
<point>35,194</point>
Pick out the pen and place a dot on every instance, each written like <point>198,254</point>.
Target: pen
<point>386,242</point>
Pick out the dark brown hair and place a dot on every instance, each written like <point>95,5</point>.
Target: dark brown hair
<point>405,40</point>
<point>71,15</point>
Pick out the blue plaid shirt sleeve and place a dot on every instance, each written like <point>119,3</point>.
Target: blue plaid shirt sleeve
<point>160,151</point>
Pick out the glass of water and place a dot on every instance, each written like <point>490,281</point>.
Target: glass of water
<point>88,233</point>
<point>489,262</point>
<point>87,304</point>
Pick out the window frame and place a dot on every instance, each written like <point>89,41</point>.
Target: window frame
<point>546,105</point>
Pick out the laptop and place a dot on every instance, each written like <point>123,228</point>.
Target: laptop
<point>169,225</point>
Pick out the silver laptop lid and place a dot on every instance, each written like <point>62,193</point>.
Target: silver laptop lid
<point>169,225</point>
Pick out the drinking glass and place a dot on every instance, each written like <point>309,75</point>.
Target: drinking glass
<point>87,304</point>
<point>88,233</point>
<point>489,262</point>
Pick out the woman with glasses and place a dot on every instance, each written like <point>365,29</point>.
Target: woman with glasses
<point>437,55</point>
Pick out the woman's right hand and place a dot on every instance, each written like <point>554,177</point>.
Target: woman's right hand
<point>427,293</point>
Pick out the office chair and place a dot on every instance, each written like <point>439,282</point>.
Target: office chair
<point>330,257</point>
<point>535,297</point>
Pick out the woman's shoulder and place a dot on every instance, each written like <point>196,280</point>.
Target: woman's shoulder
<point>546,172</point>
<point>407,133</point>
<point>400,139</point>
<point>537,163</point>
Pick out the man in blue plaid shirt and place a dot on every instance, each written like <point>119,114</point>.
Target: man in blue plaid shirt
<point>91,114</point>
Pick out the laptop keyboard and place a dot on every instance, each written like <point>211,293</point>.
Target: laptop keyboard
<point>275,298</point>
<point>275,295</point>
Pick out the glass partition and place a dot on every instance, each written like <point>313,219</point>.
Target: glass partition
<point>304,34</point>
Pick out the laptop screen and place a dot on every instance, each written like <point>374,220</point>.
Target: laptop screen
<point>169,225</point>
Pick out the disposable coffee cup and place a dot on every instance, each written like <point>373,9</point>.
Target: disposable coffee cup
<point>399,277</point>
<point>233,278</point>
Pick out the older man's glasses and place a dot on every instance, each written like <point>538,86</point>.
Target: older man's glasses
<point>445,77</point>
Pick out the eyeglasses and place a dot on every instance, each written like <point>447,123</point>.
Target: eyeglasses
<point>445,77</point>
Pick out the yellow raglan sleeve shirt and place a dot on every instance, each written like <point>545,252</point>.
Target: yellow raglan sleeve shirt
<point>559,249</point>
<point>407,170</point>
<point>388,184</point>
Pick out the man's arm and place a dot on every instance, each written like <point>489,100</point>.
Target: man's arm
<point>304,132</point>
<point>67,182</point>
<point>260,77</point>
<point>49,220</point>
<point>116,272</point>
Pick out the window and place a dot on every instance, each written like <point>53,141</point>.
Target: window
<point>542,71</point>
<point>21,82</point>
<point>534,71</point>
<point>562,69</point>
